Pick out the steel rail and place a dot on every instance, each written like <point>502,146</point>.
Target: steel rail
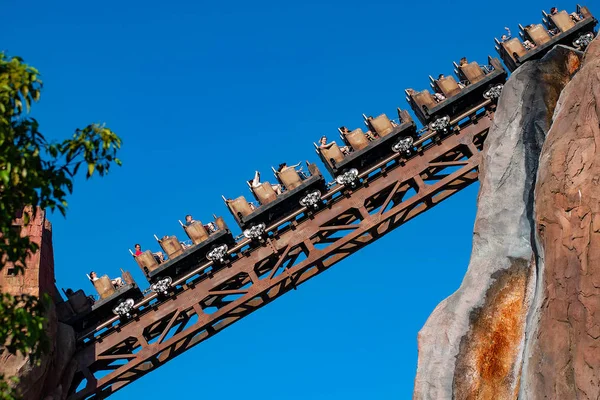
<point>293,215</point>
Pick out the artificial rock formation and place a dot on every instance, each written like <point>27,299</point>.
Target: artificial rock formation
<point>472,345</point>
<point>563,351</point>
<point>525,321</point>
<point>51,378</point>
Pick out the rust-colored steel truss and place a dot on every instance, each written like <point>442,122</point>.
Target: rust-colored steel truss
<point>306,246</point>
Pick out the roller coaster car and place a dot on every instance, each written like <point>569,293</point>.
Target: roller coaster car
<point>205,246</point>
<point>564,30</point>
<point>89,313</point>
<point>300,191</point>
<point>476,81</point>
<point>382,139</point>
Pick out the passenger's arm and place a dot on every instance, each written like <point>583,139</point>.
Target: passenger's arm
<point>256,180</point>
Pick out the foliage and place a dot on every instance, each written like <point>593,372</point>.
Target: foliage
<point>7,388</point>
<point>32,170</point>
<point>38,173</point>
<point>22,324</point>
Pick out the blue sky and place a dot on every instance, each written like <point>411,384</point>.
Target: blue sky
<point>204,93</point>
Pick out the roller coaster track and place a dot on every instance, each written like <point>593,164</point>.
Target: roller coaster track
<point>297,248</point>
<point>198,305</point>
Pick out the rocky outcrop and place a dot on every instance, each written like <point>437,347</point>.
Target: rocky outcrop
<point>563,352</point>
<point>46,380</point>
<point>525,322</point>
<point>471,346</point>
<point>49,379</point>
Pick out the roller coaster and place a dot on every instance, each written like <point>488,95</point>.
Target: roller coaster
<point>303,224</point>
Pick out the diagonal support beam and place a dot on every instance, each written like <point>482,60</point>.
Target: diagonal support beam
<point>261,292</point>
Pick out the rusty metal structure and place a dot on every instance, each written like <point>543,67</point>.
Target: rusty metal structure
<point>299,248</point>
<point>394,174</point>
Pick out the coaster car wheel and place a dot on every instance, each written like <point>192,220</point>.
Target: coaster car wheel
<point>348,178</point>
<point>255,232</point>
<point>123,310</point>
<point>312,199</point>
<point>493,93</point>
<point>404,145</point>
<point>440,125</point>
<point>583,40</point>
<point>162,286</point>
<point>218,254</point>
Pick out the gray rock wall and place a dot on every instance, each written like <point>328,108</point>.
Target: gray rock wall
<point>472,344</point>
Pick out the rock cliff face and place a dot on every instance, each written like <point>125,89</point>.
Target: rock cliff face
<point>52,377</point>
<point>563,349</point>
<point>525,322</point>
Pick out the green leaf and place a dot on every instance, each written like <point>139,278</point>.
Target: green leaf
<point>38,173</point>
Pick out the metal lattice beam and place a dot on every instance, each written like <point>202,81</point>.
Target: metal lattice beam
<point>388,198</point>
